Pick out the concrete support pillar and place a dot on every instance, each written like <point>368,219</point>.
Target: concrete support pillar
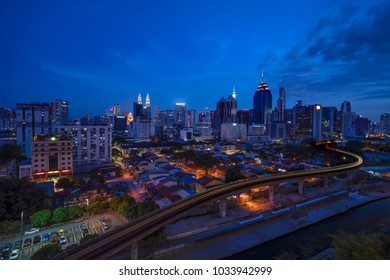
<point>271,194</point>
<point>326,181</point>
<point>222,208</point>
<point>300,187</point>
<point>134,251</point>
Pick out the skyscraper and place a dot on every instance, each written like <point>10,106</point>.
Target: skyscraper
<point>180,115</point>
<point>346,119</point>
<point>31,119</point>
<point>281,104</point>
<point>59,111</point>
<point>262,104</point>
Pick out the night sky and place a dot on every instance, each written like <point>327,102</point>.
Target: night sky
<point>97,53</point>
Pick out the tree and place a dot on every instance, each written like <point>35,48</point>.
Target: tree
<point>74,212</point>
<point>114,203</point>
<point>64,183</point>
<point>47,252</point>
<point>17,195</point>
<point>59,215</point>
<point>363,246</point>
<point>233,174</point>
<point>41,218</point>
<point>206,161</point>
<point>98,205</point>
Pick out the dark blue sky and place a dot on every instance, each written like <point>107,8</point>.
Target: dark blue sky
<point>97,53</point>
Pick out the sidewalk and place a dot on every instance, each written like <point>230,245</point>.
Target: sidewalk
<point>238,240</point>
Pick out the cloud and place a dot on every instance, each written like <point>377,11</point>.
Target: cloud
<point>347,53</point>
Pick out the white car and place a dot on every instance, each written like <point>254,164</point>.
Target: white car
<point>63,240</point>
<point>14,255</point>
<point>31,231</point>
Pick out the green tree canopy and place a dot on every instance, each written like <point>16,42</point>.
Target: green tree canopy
<point>41,218</point>
<point>47,252</point>
<point>74,212</point>
<point>59,215</point>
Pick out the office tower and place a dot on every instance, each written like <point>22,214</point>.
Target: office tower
<point>120,124</point>
<point>329,121</point>
<point>244,116</point>
<point>52,157</point>
<point>307,121</point>
<point>205,130</point>
<point>347,129</point>
<point>233,131</point>
<point>281,105</point>
<point>362,126</point>
<point>180,115</point>
<point>226,111</point>
<point>384,124</point>
<point>191,118</point>
<point>32,119</point>
<point>91,144</point>
<point>147,108</point>
<point>7,119</point>
<point>59,111</point>
<point>116,110</point>
<point>317,122</point>
<point>288,117</point>
<point>262,104</point>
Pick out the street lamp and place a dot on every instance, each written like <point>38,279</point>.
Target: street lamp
<point>88,212</point>
<point>21,225</point>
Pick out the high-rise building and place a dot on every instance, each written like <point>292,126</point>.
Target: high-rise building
<point>329,122</point>
<point>7,119</point>
<point>226,111</point>
<point>233,131</point>
<point>244,116</point>
<point>317,122</point>
<point>362,126</point>
<point>384,124</point>
<point>116,110</point>
<point>52,157</point>
<point>191,118</point>
<point>59,111</point>
<point>91,144</point>
<point>262,104</point>
<point>347,128</point>
<point>180,115</point>
<point>307,121</point>
<point>32,119</point>
<point>281,105</point>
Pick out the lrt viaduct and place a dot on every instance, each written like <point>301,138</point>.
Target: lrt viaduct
<point>127,236</point>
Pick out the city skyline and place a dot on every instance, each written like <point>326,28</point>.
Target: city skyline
<point>327,53</point>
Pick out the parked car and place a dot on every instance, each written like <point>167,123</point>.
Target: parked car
<point>106,227</point>
<point>14,255</point>
<point>53,237</point>
<point>7,248</point>
<point>63,240</point>
<point>85,232</point>
<point>61,232</point>
<point>18,244</point>
<point>31,231</point>
<point>78,220</point>
<point>36,239</point>
<point>27,242</point>
<point>45,237</point>
<point>83,226</point>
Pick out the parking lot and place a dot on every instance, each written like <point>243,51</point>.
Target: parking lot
<point>73,231</point>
